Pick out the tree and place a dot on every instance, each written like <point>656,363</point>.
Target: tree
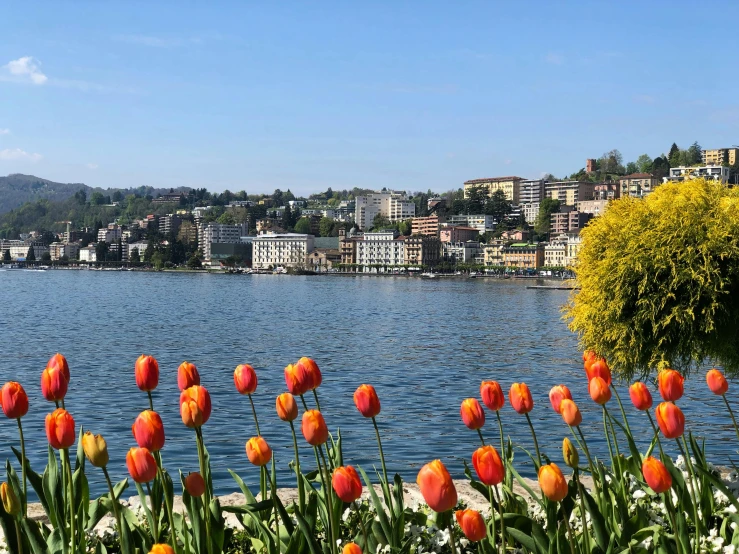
<point>226,218</point>
<point>498,206</point>
<point>134,257</point>
<point>631,167</point>
<point>661,303</point>
<point>660,167</point>
<point>6,257</point>
<point>695,154</point>
<point>326,226</point>
<point>543,221</point>
<point>644,164</point>
<point>97,199</point>
<point>674,150</point>
<point>381,222</point>
<point>612,162</point>
<point>149,252</point>
<point>477,198</point>
<point>46,257</point>
<point>117,196</point>
<point>287,219</point>
<point>31,255</point>
<point>81,197</point>
<point>194,263</point>
<point>405,227</point>
<point>303,226</point>
<point>101,251</point>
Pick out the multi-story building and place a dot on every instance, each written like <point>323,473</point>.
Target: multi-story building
<point>427,225</point>
<point>532,191</point>
<point>715,172</point>
<point>283,250</point>
<point>523,255</point>
<point>458,233</point>
<point>19,249</point>
<point>606,191</point>
<point>58,250</point>
<point>568,220</point>
<point>493,254</point>
<point>88,254</point>
<point>720,156</point>
<point>595,207</point>
<point>637,185</point>
<point>574,243</point>
<point>170,197</point>
<point>511,186</point>
<point>219,233</point>
<point>569,193</point>
<point>422,250</point>
<point>393,205</point>
<point>139,246</point>
<point>483,223</point>
<point>113,233</point>
<point>530,212</point>
<point>461,252</point>
<point>169,224</point>
<point>384,248</point>
<point>555,253</point>
<point>348,246</point>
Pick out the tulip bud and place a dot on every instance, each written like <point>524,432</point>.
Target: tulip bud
<point>314,428</point>
<point>147,373</point>
<point>569,453</point>
<point>520,398</point>
<point>11,505</point>
<point>13,400</point>
<point>245,379</point>
<point>366,400</point>
<point>141,465</point>
<point>148,430</point>
<point>670,385</point>
<point>195,406</point>
<point>472,524</point>
<point>187,376</point>
<point>53,384</point>
<point>195,484</point>
<point>351,548</point>
<point>488,465</point>
<point>258,451</point>
<point>589,355</point>
<point>95,448</point>
<point>313,374</point>
<point>641,398</point>
<point>656,475</point>
<point>717,382</point>
<point>492,395</point>
<point>161,549</point>
<point>287,409</point>
<point>472,414</point>
<point>296,379</point>
<point>346,484</point>
<point>570,412</point>
<point>552,483</point>
<point>60,429</point>
<point>670,419</point>
<point>437,487</point>
<point>599,390</point>
<point>57,361</point>
<point>557,394</point>
<point>599,368</point>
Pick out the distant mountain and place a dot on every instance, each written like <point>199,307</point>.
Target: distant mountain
<point>16,189</point>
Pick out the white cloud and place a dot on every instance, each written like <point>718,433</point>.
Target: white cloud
<point>16,154</point>
<point>554,58</point>
<point>25,69</point>
<point>4,131</point>
<point>92,166</point>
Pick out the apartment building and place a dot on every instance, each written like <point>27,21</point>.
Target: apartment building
<point>606,191</point>
<point>637,185</point>
<point>530,212</point>
<point>493,254</point>
<point>569,193</point>
<point>566,221</point>
<point>422,250</point>
<point>58,250</point>
<point>285,250</point>
<point>715,172</point>
<point>383,248</point>
<point>483,223</point>
<point>219,233</point>
<point>574,244</point>
<point>458,233</point>
<point>88,254</point>
<point>393,205</point>
<point>19,249</point>
<point>348,246</point>
<point>532,191</point>
<point>428,226</point>
<point>595,207</point>
<point>511,186</point>
<point>555,253</point>
<point>169,224</point>
<point>523,255</point>
<point>113,233</point>
<point>461,252</point>
<point>720,156</point>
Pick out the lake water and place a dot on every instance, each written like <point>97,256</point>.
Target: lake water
<point>424,345</point>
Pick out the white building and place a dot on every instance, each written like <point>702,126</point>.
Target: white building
<point>220,233</point>
<point>574,243</point>
<point>530,212</point>
<point>715,172</point>
<point>532,191</point>
<point>483,223</point>
<point>112,234</point>
<point>60,249</point>
<point>384,248</point>
<point>88,254</point>
<point>140,246</point>
<point>286,250</point>
<point>393,205</point>
<point>463,252</point>
<point>555,253</point>
<point>19,249</point>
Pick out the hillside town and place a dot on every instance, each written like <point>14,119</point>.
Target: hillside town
<point>510,224</point>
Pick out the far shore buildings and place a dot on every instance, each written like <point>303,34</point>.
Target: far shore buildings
<point>395,206</point>
<point>383,248</point>
<point>720,156</point>
<point>511,186</point>
<point>637,185</point>
<point>715,172</point>
<point>282,250</point>
<point>212,235</point>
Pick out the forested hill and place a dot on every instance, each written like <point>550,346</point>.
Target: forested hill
<point>17,189</point>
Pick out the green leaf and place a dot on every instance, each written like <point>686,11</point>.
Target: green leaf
<point>387,529</point>
<point>602,536</point>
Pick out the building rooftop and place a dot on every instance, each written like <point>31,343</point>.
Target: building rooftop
<point>493,180</point>
<point>638,176</point>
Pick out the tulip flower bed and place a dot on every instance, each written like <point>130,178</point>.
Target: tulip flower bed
<point>631,501</point>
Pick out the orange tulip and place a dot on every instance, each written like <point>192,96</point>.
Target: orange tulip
<point>520,398</point>
<point>59,362</point>
<point>670,385</point>
<point>437,487</point>
<point>314,428</point>
<point>287,409</point>
<point>312,372</point>
<point>492,395</point>
<point>670,419</point>
<point>557,394</point>
<point>599,368</point>
<point>589,355</point>
<point>351,548</point>
<point>641,398</point>
<point>552,483</point>
<point>717,382</point>
<point>245,379</point>
<point>258,451</point>
<point>95,449</point>
<point>346,483</point>
<point>296,379</point>
<point>656,475</point>
<point>147,373</point>
<point>488,465</point>
<point>148,430</point>
<point>366,400</point>
<point>472,524</point>
<point>13,400</point>
<point>195,406</point>
<point>570,412</point>
<point>53,384</point>
<point>195,484</point>
<point>599,390</point>
<point>141,465</point>
<point>472,413</point>
<point>60,429</point>
<point>187,376</point>
<point>161,549</point>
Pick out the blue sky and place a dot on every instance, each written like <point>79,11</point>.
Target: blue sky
<point>406,95</point>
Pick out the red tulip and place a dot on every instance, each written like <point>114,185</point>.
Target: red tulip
<point>570,412</point>
<point>492,395</point>
<point>599,390</point>
<point>313,374</point>
<point>13,400</point>
<point>60,429</point>
<point>258,451</point>
<point>59,362</point>
<point>670,384</point>
<point>437,487</point>
<point>314,428</point>
<point>148,431</point>
<point>656,475</point>
<point>641,398</point>
<point>245,379</point>
<point>296,379</point>
<point>670,419</point>
<point>366,400</point>
<point>552,483</point>
<point>557,394</point>
<point>195,484</point>
<point>717,382</point>
<point>53,384</point>
<point>187,376</point>
<point>351,548</point>
<point>472,524</point>
<point>488,465</point>
<point>346,484</point>
<point>599,368</point>
<point>195,406</point>
<point>520,398</point>
<point>147,373</point>
<point>287,409</point>
<point>472,414</point>
<point>141,465</point>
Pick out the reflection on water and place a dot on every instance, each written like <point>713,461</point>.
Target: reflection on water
<point>425,346</point>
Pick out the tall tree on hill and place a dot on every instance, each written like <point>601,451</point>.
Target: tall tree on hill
<point>498,206</point>
<point>672,155</point>
<point>543,221</point>
<point>6,257</point>
<point>644,163</point>
<point>31,255</point>
<point>612,163</point>
<point>477,197</point>
<point>303,226</point>
<point>695,154</point>
<point>660,167</point>
<point>287,218</point>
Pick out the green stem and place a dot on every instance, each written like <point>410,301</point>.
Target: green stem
<point>731,413</point>
<point>384,468</point>
<point>254,411</point>
<point>585,532</point>
<point>155,514</point>
<point>364,533</point>
<point>328,493</point>
<point>569,531</point>
<point>607,433</point>
<point>503,538</point>
<point>24,502</point>
<point>19,537</point>
<point>114,501</point>
<point>305,404</point>
<point>167,502</point>
<point>151,401</point>
<point>72,512</point>
<point>536,443</point>
<point>500,430</point>
<point>274,503</point>
<point>206,498</point>
<point>301,491</point>
<point>492,516</point>
<point>318,404</point>
<point>656,434</point>
<point>673,517</point>
<point>618,455</point>
<point>692,488</point>
<point>482,439</point>
<point>451,536</point>
<point>621,406</point>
